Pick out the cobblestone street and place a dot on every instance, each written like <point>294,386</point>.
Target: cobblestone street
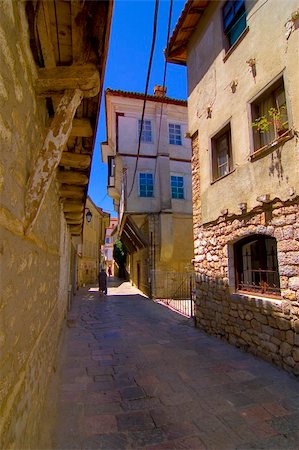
<point>133,374</point>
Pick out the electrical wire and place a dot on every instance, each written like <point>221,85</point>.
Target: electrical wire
<point>164,83</point>
<point>146,89</point>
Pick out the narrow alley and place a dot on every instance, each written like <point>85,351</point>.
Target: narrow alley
<point>133,374</point>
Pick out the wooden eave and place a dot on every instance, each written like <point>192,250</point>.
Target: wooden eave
<point>176,51</point>
<point>69,42</point>
<point>131,234</point>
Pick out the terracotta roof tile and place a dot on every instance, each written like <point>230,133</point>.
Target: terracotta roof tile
<point>140,96</point>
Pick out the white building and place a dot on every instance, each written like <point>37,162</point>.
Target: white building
<point>150,184</point>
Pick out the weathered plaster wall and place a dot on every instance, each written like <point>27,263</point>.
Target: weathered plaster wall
<point>159,258</point>
<point>33,286</point>
<point>210,75</point>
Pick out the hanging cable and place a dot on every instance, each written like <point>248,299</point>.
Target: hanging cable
<point>164,82</point>
<point>146,89</point>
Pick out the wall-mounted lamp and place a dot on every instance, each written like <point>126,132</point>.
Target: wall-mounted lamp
<point>88,215</point>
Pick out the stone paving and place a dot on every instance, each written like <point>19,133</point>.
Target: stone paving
<point>133,374</point>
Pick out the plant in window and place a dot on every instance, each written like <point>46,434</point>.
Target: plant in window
<point>275,118</point>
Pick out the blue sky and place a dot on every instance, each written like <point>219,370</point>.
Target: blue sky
<point>126,69</point>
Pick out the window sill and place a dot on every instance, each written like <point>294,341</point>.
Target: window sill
<point>256,300</point>
<point>269,148</point>
<point>223,176</point>
<point>235,45</point>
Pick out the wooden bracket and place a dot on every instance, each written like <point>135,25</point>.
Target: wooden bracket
<point>56,80</point>
<point>50,155</point>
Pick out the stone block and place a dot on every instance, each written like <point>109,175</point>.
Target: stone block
<point>289,361</point>
<point>288,232</point>
<point>294,283</point>
<point>256,325</point>
<point>290,337</point>
<point>283,324</point>
<point>261,318</point>
<point>275,341</point>
<point>296,326</point>
<point>249,315</point>
<point>285,349</point>
<point>288,271</point>
<point>295,354</point>
<point>288,294</point>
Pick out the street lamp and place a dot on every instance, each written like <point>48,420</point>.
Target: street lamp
<point>88,215</point>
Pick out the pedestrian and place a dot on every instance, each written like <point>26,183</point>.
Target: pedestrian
<point>103,281</point>
<point>109,271</point>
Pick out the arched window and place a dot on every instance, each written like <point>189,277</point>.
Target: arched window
<point>256,265</point>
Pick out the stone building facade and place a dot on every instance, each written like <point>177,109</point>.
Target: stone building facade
<point>39,235</point>
<point>244,174</point>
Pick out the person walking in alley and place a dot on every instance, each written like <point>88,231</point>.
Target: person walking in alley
<point>103,281</point>
<point>109,271</point>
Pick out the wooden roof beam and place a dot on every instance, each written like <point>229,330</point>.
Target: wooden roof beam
<point>75,160</point>
<point>71,177</point>
<point>72,192</point>
<point>44,34</point>
<point>52,81</point>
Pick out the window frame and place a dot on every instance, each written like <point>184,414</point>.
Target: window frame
<point>144,131</point>
<point>180,140</point>
<point>238,14</point>
<point>146,187</point>
<point>251,288</point>
<point>177,187</point>
<point>257,146</point>
<point>225,130</point>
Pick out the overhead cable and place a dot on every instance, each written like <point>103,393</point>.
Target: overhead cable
<point>146,89</point>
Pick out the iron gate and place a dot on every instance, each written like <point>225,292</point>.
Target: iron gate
<point>178,291</point>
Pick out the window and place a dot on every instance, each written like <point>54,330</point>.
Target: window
<point>175,136</point>
<point>177,186</point>
<point>221,153</point>
<point>234,20</point>
<point>146,185</point>
<point>269,116</point>
<point>146,135</point>
<point>111,166</point>
<point>256,265</point>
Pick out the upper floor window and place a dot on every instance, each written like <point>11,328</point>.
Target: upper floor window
<point>175,135</point>
<point>221,153</point>
<point>146,185</point>
<point>234,20</point>
<point>270,116</point>
<point>146,135</point>
<point>111,166</point>
<point>177,186</point>
<point>256,265</point>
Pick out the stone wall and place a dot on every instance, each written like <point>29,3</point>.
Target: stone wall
<point>34,268</point>
<point>266,327</point>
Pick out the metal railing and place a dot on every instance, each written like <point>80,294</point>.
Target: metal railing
<point>178,292</point>
<point>260,281</point>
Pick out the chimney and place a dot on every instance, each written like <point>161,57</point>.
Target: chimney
<point>159,91</point>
